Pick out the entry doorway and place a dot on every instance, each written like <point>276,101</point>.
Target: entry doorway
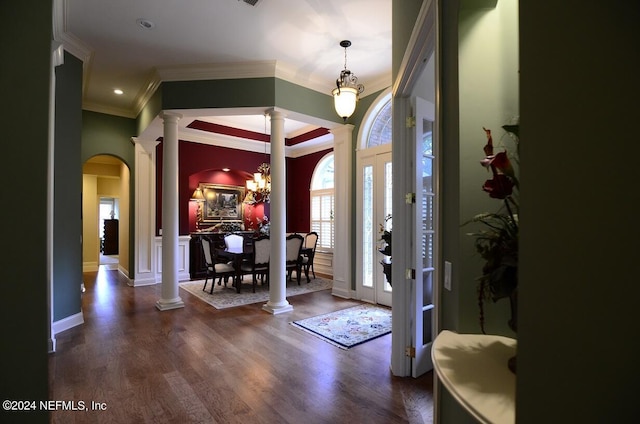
<point>375,188</point>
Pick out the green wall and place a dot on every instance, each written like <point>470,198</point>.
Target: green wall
<point>403,19</point>
<point>488,97</point>
<point>249,92</point>
<point>238,93</point>
<point>67,227</point>
<point>24,114</point>
<point>579,272</point>
<point>108,134</point>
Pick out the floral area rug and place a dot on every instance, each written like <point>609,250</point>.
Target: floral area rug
<point>349,327</point>
<point>227,297</point>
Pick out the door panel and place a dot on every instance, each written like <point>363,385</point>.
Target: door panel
<point>425,225</point>
<point>374,204</point>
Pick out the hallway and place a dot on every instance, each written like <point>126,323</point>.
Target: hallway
<point>199,364</point>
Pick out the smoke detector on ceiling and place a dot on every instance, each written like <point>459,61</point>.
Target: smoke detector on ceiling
<point>250,2</point>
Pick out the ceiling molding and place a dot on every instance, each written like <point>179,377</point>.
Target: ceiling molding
<point>147,91</point>
<point>222,140</point>
<point>215,71</point>
<point>100,108</point>
<point>308,147</point>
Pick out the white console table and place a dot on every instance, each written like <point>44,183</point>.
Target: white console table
<point>473,368</point>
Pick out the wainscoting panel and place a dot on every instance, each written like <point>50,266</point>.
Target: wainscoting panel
<point>183,258</point>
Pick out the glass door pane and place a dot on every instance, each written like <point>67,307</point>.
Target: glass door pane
<point>368,235</point>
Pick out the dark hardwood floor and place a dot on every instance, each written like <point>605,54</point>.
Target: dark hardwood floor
<point>239,365</point>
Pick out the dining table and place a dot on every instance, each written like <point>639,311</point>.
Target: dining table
<point>245,252</point>
<point>237,256</point>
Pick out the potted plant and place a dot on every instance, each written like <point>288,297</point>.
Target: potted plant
<point>385,249</point>
<point>497,240</point>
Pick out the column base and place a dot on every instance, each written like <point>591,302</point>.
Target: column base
<point>277,309</point>
<point>168,304</point>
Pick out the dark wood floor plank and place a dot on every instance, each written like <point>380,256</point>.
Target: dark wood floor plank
<point>237,365</point>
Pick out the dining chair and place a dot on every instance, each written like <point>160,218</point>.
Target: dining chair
<point>292,258</point>
<point>310,242</point>
<point>259,263</point>
<point>234,242</point>
<point>215,269</point>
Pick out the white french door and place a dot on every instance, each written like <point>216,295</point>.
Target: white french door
<point>374,205</point>
<point>424,220</point>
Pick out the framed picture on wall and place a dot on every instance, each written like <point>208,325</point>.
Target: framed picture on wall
<point>222,203</point>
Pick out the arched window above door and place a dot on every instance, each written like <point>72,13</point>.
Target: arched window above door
<point>376,129</point>
<point>380,131</point>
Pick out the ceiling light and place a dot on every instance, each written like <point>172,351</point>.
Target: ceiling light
<point>226,169</point>
<point>345,96</point>
<point>145,23</point>
<point>118,91</point>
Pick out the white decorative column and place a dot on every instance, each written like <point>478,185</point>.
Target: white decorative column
<point>277,270</point>
<point>170,298</point>
<point>343,210</point>
<point>145,216</point>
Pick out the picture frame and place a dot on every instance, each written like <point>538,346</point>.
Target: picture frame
<point>222,203</point>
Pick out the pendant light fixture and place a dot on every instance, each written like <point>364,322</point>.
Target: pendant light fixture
<point>346,94</point>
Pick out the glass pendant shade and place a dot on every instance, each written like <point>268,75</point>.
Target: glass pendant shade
<point>345,99</point>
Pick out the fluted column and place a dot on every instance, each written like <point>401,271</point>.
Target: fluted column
<point>170,298</point>
<point>277,270</point>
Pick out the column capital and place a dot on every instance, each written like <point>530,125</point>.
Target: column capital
<point>148,146</point>
<point>342,129</point>
<point>170,116</point>
<point>275,114</point>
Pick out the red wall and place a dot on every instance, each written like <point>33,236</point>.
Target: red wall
<point>299,173</point>
<point>202,163</point>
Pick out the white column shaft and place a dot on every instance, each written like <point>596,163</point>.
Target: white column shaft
<point>170,297</point>
<point>277,275</point>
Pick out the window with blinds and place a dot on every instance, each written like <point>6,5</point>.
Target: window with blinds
<point>322,203</point>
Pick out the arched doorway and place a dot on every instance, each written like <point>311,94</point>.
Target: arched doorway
<point>105,214</point>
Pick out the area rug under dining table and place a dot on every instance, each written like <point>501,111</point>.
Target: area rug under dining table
<point>349,327</point>
<point>227,297</point>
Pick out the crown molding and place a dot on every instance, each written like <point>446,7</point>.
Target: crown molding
<point>71,43</point>
<point>146,92</point>
<point>100,108</point>
<point>311,146</point>
<point>215,71</point>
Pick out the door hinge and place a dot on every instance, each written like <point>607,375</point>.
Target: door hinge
<point>411,121</point>
<point>410,274</point>
<point>410,351</point>
<point>410,198</point>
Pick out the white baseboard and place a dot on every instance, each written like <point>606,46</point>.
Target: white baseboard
<point>139,282</point>
<point>90,267</point>
<point>343,293</point>
<point>66,323</point>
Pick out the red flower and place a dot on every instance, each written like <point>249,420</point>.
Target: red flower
<point>499,187</point>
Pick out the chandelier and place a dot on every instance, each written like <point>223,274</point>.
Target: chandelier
<point>345,96</point>
<point>259,188</point>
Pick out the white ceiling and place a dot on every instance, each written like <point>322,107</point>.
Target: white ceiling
<point>300,38</point>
